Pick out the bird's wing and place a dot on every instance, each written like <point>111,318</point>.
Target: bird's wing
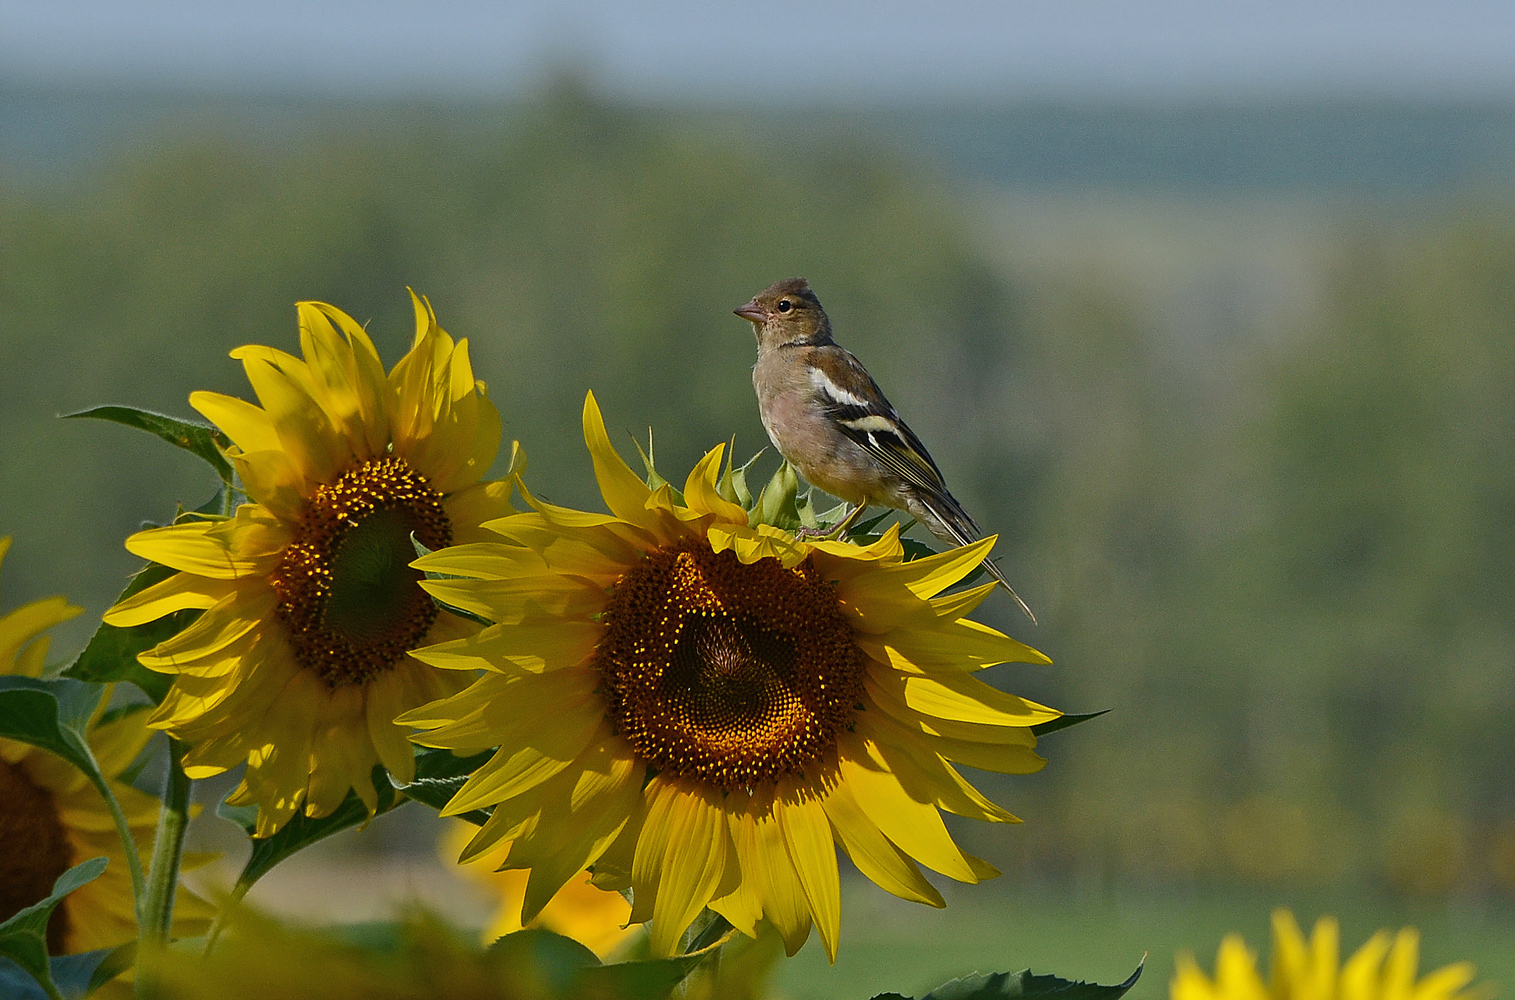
<point>857,407</point>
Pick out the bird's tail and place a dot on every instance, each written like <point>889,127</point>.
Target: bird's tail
<point>945,518</point>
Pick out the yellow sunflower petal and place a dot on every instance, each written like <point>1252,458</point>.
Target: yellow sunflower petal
<point>765,853</point>
<point>762,542</point>
<point>624,492</point>
<point>807,837</point>
<point>700,490</point>
<point>509,712</point>
<point>334,766</point>
<point>364,377</point>
<point>462,455</point>
<point>853,558</point>
<point>915,827</point>
<point>693,863</point>
<point>742,903</point>
<point>350,401</point>
<point>1447,981</point>
<point>385,699</point>
<point>177,593</point>
<point>886,865</point>
<point>888,695</point>
<point>19,626</point>
<point>489,560</point>
<point>924,577</point>
<point>304,430</point>
<point>192,548</point>
<point>944,647</point>
<point>534,648</point>
<point>925,775</point>
<point>965,699</point>
<point>231,619</point>
<point>511,771</point>
<point>599,804</point>
<point>954,606</point>
<point>274,480</point>
<point>598,556</point>
<point>118,742</point>
<point>470,508</point>
<point>31,660</point>
<point>520,599</point>
<point>246,424</point>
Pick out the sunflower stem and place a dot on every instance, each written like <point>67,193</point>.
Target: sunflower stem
<point>128,842</point>
<point>163,876</point>
<point>233,899</point>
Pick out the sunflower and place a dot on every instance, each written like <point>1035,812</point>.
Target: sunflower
<point>298,664</point>
<point>596,918</point>
<point>52,817</point>
<point>701,708</point>
<point>1384,968</point>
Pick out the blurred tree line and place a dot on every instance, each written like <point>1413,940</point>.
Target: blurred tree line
<point>1288,569</point>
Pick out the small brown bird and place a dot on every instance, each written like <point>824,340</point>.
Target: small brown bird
<point>827,416</point>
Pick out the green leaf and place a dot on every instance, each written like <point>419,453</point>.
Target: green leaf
<point>1064,721</point>
<point>776,505</point>
<point>23,938</point>
<point>301,831</point>
<point>1024,985</point>
<point>649,979</point>
<point>439,775</point>
<point>564,968</point>
<point>51,714</point>
<point>111,655</point>
<point>74,975</point>
<point>552,962</point>
<point>112,963</point>
<point>202,440</point>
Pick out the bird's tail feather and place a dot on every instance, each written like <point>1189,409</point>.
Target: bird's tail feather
<point>950,522</point>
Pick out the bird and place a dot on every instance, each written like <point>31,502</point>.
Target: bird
<point>828,417</point>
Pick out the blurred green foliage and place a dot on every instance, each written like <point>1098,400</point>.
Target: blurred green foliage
<point>1286,562</point>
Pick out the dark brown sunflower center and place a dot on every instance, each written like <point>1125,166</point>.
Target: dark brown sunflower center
<point>34,850</point>
<point>734,673</point>
<point>346,590</point>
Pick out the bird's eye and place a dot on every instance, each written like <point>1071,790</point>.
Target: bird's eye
<point>785,305</point>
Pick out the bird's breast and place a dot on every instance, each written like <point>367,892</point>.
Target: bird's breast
<point>798,426</point>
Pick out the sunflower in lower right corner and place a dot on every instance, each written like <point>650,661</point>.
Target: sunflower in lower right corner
<point>1384,968</point>
<point>703,708</point>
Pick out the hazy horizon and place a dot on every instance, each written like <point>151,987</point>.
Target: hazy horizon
<point>1160,49</point>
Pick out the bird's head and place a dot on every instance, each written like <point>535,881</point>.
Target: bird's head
<point>787,313</point>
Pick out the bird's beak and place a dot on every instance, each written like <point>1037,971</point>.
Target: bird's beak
<point>752,311</point>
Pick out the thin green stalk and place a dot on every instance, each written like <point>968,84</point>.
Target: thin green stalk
<point>128,842</point>
<point>163,877</point>
<point>224,913</point>
<point>168,849</point>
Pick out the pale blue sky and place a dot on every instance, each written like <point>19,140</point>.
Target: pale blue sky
<point>722,49</point>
